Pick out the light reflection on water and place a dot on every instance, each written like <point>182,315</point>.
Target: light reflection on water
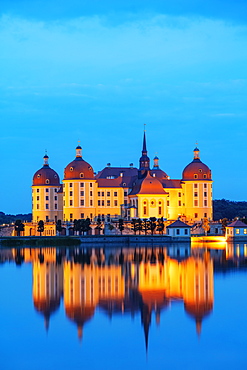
<point>140,307</point>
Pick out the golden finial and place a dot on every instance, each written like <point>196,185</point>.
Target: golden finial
<point>144,127</point>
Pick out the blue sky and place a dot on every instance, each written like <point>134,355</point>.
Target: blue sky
<point>96,71</point>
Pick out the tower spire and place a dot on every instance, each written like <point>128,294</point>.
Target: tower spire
<point>144,160</point>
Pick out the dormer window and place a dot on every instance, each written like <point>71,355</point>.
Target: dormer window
<point>38,176</point>
<point>47,181</point>
<point>71,168</point>
<point>200,170</point>
<point>81,174</point>
<point>90,168</point>
<point>55,176</point>
<point>195,176</point>
<point>204,176</point>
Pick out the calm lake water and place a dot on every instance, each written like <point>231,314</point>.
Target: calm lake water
<point>165,307</point>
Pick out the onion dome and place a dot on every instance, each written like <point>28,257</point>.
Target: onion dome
<point>46,175</point>
<point>78,168</point>
<point>196,169</point>
<point>156,171</point>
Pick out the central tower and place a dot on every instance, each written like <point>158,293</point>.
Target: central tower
<point>144,160</point>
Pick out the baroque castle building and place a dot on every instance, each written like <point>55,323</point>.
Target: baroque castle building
<point>125,192</point>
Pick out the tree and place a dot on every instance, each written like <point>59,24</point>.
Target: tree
<point>139,225</point>
<point>152,224</point>
<point>134,225</point>
<point>41,227</point>
<point>146,225</point>
<point>161,225</point>
<point>85,225</point>
<point>59,227</point>
<point>120,225</point>
<point>205,225</point>
<point>19,226</point>
<point>224,222</point>
<point>99,225</point>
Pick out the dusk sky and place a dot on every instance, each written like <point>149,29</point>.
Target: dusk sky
<point>97,71</point>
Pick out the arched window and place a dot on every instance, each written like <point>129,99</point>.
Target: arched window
<point>195,176</point>
<point>71,168</point>
<point>47,181</point>
<point>81,174</point>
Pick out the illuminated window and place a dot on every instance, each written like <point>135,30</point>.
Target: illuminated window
<point>37,206</point>
<point>144,210</point>
<point>179,203</point>
<point>205,186</point>
<point>195,176</point>
<point>82,193</point>
<point>108,203</point>
<point>115,203</point>
<point>196,215</point>
<point>195,203</point>
<point>71,168</point>
<point>245,231</point>
<point>160,210</point>
<point>196,186</point>
<point>168,203</point>
<point>237,231</point>
<point>205,203</point>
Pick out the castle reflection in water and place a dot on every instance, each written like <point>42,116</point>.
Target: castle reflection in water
<point>127,281</point>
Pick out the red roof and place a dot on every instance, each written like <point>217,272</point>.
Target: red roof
<point>178,223</point>
<point>196,167</point>
<point>237,223</point>
<point>148,185</point>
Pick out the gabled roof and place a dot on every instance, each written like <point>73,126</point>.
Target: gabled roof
<point>237,223</point>
<point>148,185</point>
<point>178,223</point>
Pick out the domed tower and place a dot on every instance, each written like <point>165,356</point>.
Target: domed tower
<point>79,185</point>
<point>197,183</point>
<point>47,201</point>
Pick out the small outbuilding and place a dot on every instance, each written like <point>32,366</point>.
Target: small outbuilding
<point>236,230</point>
<point>178,229</point>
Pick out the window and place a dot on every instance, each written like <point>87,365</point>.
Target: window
<point>47,181</point>
<point>37,206</point>
<point>47,206</point>
<point>177,231</point>
<point>205,194</point>
<point>179,203</point>
<point>103,194</point>
<point>160,210</point>
<point>82,184</point>
<point>47,218</point>
<point>37,190</point>
<point>71,202</point>
<point>47,197</point>
<point>115,193</point>
<point>91,202</point>
<point>195,194</point>
<point>99,203</point>
<point>71,216</point>
<point>245,231</point>
<point>82,215</point>
<point>81,174</point>
<point>125,193</point>
<point>55,198</point>
<point>179,194</point>
<point>98,193</point>
<point>115,203</point>
<point>82,193</point>
<point>108,203</point>
<point>205,186</point>
<point>195,186</point>
<point>103,203</point>
<point>204,176</point>
<point>108,193</point>
<point>125,202</point>
<point>196,215</point>
<point>200,170</point>
<point>205,203</point>
<point>47,190</point>
<point>185,231</point>
<point>71,168</point>
<point>70,185</point>
<point>82,202</point>
<point>168,203</point>
<point>195,203</point>
<point>91,216</point>
<point>91,184</point>
<point>71,193</point>
<point>195,176</point>
<point>38,197</point>
<point>144,210</point>
<point>55,205</point>
<point>237,231</point>
<point>205,215</point>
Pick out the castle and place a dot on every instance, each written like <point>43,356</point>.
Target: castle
<point>124,192</point>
